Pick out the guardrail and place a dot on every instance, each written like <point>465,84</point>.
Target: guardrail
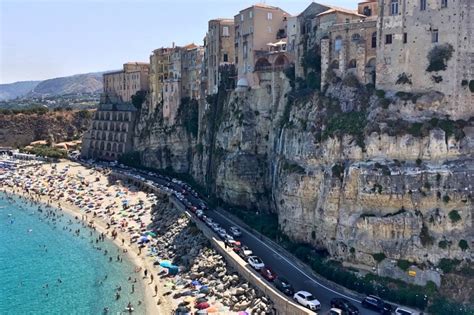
<point>282,304</point>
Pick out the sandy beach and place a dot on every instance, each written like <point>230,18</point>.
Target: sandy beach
<point>112,194</point>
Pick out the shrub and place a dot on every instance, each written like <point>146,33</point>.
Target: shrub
<point>291,167</point>
<point>471,86</point>
<point>438,57</point>
<point>437,78</point>
<point>404,78</point>
<point>446,198</point>
<point>380,93</point>
<point>448,265</point>
<point>418,162</point>
<point>425,237</point>
<point>351,80</point>
<point>403,264</point>
<point>338,171</point>
<point>454,216</point>
<point>443,244</point>
<point>463,245</point>
<point>313,80</point>
<point>138,99</point>
<point>378,257</point>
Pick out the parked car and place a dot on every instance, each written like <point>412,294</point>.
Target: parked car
<point>344,305</point>
<point>255,262</point>
<point>222,233</point>
<point>243,251</point>
<point>401,311</point>
<point>335,311</point>
<point>284,286</point>
<point>307,300</point>
<point>230,241</point>
<point>199,213</point>
<point>268,274</point>
<point>377,304</point>
<point>235,231</point>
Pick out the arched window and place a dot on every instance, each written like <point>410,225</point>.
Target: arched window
<point>355,37</point>
<point>338,44</point>
<point>374,39</point>
<point>335,64</point>
<point>352,64</point>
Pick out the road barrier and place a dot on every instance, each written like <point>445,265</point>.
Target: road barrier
<point>282,304</point>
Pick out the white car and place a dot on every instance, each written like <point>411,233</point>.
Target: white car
<point>235,231</point>
<point>307,300</point>
<point>255,262</point>
<point>335,311</point>
<point>401,311</point>
<point>222,233</point>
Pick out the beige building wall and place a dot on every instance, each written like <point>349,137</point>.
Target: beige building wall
<point>191,72</point>
<point>408,32</point>
<point>119,86</point>
<point>255,27</point>
<point>219,50</point>
<point>159,62</point>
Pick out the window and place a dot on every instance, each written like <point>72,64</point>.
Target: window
<point>434,36</point>
<point>226,58</point>
<point>355,37</point>
<point>269,29</point>
<point>374,39</point>
<point>405,38</point>
<point>225,31</point>
<point>394,7</point>
<point>338,44</point>
<point>269,16</point>
<point>245,50</point>
<point>422,5</point>
<point>241,17</point>
<point>388,39</point>
<point>250,14</point>
<point>444,3</point>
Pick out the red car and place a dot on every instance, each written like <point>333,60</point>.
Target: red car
<point>268,274</point>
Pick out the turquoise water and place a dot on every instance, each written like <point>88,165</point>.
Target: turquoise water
<point>79,277</point>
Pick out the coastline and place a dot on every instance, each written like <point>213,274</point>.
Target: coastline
<point>151,302</point>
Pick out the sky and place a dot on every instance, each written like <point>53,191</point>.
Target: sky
<point>43,39</point>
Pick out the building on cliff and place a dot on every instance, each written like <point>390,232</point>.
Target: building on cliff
<point>111,132</point>
<point>183,80</point>
<point>260,42</point>
<point>119,86</point>
<point>350,47</point>
<point>219,51</point>
<point>427,45</point>
<point>159,63</point>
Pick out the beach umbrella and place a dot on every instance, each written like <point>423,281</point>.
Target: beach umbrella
<point>202,305</point>
<point>195,283</point>
<point>201,312</point>
<point>188,299</point>
<point>201,299</point>
<point>166,264</point>
<point>243,313</point>
<point>212,309</point>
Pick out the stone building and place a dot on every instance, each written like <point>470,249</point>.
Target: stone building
<point>159,62</point>
<point>313,24</point>
<point>427,45</point>
<point>219,51</point>
<point>111,132</point>
<point>183,80</point>
<point>119,86</point>
<point>350,47</point>
<point>255,28</point>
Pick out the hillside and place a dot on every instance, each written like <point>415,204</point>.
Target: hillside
<point>88,83</point>
<point>18,89</point>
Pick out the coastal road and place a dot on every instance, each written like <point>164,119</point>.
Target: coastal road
<point>273,257</point>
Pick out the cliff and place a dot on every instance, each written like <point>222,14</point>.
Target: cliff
<point>349,170</point>
<point>18,130</point>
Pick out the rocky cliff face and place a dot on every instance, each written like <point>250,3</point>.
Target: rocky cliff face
<point>350,170</point>
<point>19,130</point>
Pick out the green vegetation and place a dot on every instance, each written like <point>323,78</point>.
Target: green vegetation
<point>401,211</point>
<point>437,78</point>
<point>188,115</point>
<point>352,123</point>
<point>418,129</point>
<point>446,199</point>
<point>351,80</point>
<point>47,151</point>
<point>138,99</point>
<point>403,264</point>
<point>442,306</point>
<point>27,111</point>
<point>448,265</point>
<point>463,245</point>
<point>379,257</point>
<point>438,57</point>
<point>471,86</point>
<point>444,244</point>
<point>454,216</point>
<point>338,171</point>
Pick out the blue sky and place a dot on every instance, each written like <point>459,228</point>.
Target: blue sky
<point>41,39</point>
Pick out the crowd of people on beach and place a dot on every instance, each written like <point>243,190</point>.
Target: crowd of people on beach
<point>47,189</point>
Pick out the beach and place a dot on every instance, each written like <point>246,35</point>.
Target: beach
<point>102,193</point>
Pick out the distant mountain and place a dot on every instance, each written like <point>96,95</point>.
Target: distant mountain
<point>87,83</point>
<point>17,89</point>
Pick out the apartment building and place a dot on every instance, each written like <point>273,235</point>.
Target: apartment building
<point>427,45</point>
<point>159,63</point>
<point>219,51</point>
<point>119,86</point>
<point>255,28</point>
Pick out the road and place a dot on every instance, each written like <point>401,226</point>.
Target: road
<point>279,263</point>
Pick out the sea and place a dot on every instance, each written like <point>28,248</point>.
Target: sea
<point>46,269</point>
